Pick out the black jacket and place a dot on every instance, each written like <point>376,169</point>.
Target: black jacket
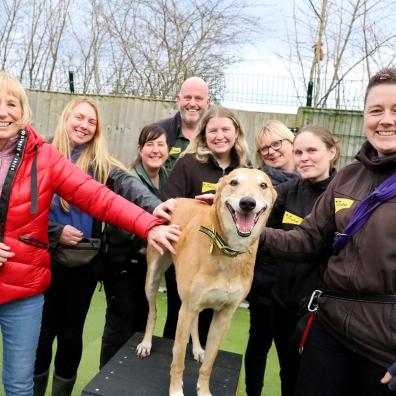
<point>190,177</point>
<point>172,127</point>
<point>122,183</point>
<point>295,283</point>
<point>266,268</point>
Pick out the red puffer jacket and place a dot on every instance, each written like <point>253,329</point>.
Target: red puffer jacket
<point>34,176</point>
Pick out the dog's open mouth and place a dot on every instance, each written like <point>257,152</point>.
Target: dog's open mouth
<point>244,222</point>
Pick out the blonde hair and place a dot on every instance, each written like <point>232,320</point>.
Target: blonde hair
<point>272,127</point>
<point>95,156</point>
<point>199,147</point>
<point>13,87</point>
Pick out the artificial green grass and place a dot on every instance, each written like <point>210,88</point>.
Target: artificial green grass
<point>235,341</point>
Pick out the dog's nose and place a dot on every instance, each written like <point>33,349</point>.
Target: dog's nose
<point>247,204</point>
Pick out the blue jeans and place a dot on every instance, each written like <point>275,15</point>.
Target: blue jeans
<point>20,322</point>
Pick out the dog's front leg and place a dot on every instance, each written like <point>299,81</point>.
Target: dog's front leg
<point>183,331</point>
<point>156,266</point>
<point>198,351</point>
<point>220,324</point>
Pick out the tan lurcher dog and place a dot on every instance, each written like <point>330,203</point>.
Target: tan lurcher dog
<point>214,263</point>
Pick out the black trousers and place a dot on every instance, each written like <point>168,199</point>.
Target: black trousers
<point>66,305</point>
<point>174,303</point>
<point>284,323</point>
<point>259,343</point>
<point>127,306</point>
<point>328,368</point>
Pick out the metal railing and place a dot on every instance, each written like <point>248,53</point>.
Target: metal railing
<point>247,89</point>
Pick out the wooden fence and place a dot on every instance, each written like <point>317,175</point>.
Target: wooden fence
<point>124,117</point>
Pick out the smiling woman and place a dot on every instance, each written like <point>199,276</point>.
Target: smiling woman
<point>124,260</point>
<point>80,138</point>
<point>81,124</point>
<point>31,172</point>
<point>352,342</point>
<point>380,118</point>
<point>13,115</point>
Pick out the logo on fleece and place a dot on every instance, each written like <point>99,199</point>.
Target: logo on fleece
<point>206,186</point>
<point>290,218</point>
<point>342,203</point>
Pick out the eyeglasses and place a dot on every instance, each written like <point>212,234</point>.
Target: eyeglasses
<point>275,145</point>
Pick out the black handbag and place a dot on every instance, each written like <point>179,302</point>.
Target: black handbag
<point>77,255</point>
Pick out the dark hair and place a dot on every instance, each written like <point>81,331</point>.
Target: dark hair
<point>325,136</point>
<point>383,76</point>
<point>148,133</point>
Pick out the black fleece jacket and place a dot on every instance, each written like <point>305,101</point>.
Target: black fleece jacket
<point>295,283</point>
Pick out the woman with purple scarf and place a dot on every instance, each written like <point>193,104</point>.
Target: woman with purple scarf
<point>351,345</point>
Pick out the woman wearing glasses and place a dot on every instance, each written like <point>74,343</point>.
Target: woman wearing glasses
<point>274,155</point>
<point>274,143</point>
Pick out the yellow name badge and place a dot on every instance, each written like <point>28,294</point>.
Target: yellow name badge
<point>206,186</point>
<point>342,203</point>
<point>175,150</point>
<point>290,218</point>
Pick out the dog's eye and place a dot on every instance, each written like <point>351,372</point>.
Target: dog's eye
<point>234,183</point>
<point>263,185</point>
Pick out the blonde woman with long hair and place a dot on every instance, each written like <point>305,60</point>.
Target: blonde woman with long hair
<point>218,147</point>
<point>79,137</point>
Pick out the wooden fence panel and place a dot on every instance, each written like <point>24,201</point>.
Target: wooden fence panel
<point>124,117</point>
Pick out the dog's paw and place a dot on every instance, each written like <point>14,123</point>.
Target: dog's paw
<point>177,393</point>
<point>143,349</point>
<point>198,354</point>
<point>202,392</point>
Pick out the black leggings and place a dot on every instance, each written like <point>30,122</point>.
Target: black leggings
<point>259,343</point>
<point>328,368</point>
<point>284,325</point>
<point>65,309</point>
<point>127,306</point>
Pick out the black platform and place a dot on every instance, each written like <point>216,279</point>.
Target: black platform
<point>126,374</point>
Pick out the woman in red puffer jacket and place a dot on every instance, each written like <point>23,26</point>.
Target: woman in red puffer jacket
<point>31,171</point>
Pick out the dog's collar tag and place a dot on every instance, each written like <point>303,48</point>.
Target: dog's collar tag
<point>218,241</point>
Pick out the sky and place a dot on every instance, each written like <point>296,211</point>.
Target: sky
<point>262,59</point>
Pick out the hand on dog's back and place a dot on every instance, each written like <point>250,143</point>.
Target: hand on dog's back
<point>208,198</point>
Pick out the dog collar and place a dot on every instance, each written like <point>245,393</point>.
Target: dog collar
<point>218,241</point>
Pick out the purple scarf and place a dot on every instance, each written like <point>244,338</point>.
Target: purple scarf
<point>385,191</point>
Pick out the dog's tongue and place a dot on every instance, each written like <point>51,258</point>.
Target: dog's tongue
<point>245,222</point>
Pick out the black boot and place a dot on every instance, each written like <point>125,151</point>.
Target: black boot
<point>40,383</point>
<point>62,386</point>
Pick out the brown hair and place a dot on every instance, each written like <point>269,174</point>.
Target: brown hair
<point>325,136</point>
<point>383,76</point>
<point>198,144</point>
<point>148,133</point>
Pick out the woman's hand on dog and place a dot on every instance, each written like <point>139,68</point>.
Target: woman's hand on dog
<point>208,198</point>
<point>162,236</point>
<point>163,210</point>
